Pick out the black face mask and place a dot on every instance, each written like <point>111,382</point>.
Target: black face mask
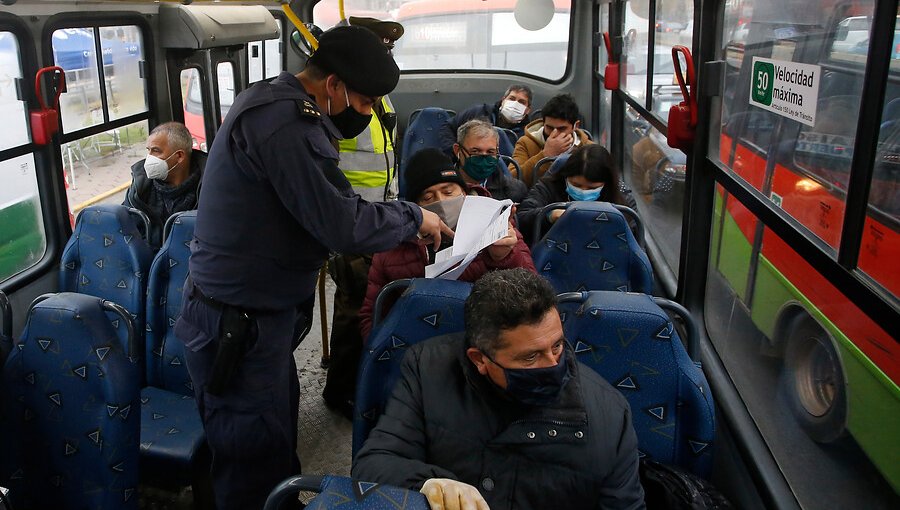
<point>537,386</point>
<point>349,122</point>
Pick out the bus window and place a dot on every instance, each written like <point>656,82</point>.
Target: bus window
<point>604,116</point>
<point>225,77</point>
<point>254,61</point>
<point>811,367</point>
<point>123,55</point>
<point>264,58</point>
<point>272,49</point>
<point>74,51</point>
<point>192,98</point>
<point>465,35</point>
<point>22,239</point>
<point>634,51</point>
<point>14,128</point>
<point>674,26</point>
<point>655,173</point>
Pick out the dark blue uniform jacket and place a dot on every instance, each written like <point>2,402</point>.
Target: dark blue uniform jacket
<point>273,203</point>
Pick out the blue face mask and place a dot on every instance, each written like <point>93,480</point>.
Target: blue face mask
<point>537,386</point>
<point>582,195</point>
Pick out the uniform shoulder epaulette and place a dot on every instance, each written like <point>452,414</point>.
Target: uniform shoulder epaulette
<point>308,108</point>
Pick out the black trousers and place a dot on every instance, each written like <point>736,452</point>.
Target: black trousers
<point>351,276</point>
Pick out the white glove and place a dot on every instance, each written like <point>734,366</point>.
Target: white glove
<point>446,494</point>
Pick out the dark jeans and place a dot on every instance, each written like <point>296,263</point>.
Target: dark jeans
<point>251,427</point>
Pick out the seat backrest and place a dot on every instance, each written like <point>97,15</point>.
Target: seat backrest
<point>71,402</point>
<point>431,127</point>
<point>592,247</point>
<point>633,344</point>
<point>426,309</point>
<point>344,493</point>
<point>106,257</point>
<point>506,140</point>
<point>557,163</point>
<point>165,353</point>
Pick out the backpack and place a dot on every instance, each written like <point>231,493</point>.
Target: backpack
<point>672,488</point>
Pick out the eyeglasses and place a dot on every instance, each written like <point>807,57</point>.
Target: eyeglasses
<point>478,152</point>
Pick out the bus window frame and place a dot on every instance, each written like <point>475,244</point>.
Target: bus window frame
<point>51,186</point>
<point>95,21</point>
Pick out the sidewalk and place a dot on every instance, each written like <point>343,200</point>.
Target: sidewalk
<point>96,174</point>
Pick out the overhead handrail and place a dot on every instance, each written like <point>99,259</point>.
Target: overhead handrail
<point>311,39</point>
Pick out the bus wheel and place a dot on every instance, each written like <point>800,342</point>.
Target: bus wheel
<point>815,382</point>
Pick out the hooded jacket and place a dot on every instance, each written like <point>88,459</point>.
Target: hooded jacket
<point>445,420</point>
<point>158,200</point>
<point>410,258</point>
<point>530,149</point>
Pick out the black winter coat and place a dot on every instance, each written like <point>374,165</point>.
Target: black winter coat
<point>445,420</point>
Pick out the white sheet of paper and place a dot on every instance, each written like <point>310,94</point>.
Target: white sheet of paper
<point>482,222</point>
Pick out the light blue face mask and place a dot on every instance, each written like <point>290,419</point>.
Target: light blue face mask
<point>582,195</point>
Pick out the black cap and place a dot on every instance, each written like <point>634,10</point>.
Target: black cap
<point>359,58</point>
<point>427,168</point>
<point>390,30</point>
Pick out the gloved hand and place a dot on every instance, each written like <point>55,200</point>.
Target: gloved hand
<point>446,494</point>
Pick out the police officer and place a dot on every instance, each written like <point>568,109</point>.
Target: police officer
<point>367,162</point>
<point>273,204</point>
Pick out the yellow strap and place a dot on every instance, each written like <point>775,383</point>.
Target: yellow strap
<point>341,9</point>
<point>311,39</point>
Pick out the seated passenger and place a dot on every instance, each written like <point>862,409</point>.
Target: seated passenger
<point>504,415</point>
<point>476,150</point>
<point>556,133</point>
<point>168,180</point>
<point>435,184</point>
<point>510,112</point>
<point>589,174</point>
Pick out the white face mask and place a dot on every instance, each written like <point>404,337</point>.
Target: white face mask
<point>156,168</point>
<point>513,111</point>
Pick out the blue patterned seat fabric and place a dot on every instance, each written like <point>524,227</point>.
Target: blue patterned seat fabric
<point>70,403</point>
<point>630,341</point>
<point>343,493</point>
<point>591,247</point>
<point>340,492</point>
<point>171,430</point>
<point>427,308</point>
<point>106,257</point>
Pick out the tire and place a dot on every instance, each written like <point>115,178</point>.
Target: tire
<point>814,382</point>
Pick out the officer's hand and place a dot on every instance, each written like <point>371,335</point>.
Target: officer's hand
<point>446,494</point>
<point>433,228</point>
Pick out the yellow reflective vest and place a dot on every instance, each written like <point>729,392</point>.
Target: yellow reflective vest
<point>363,159</point>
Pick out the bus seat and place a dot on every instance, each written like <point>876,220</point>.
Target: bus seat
<point>345,494</point>
<point>106,257</point>
<point>632,343</point>
<point>426,309</point>
<point>172,435</point>
<point>5,328</point>
<point>592,247</point>
<point>71,396</point>
<point>506,140</point>
<point>557,164</point>
<point>429,127</point>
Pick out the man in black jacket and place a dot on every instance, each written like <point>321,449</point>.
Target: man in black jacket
<point>510,112</point>
<point>506,416</point>
<point>168,180</point>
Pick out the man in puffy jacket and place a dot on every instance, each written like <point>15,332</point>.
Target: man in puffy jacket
<point>504,416</point>
<point>435,184</point>
<point>510,112</point>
